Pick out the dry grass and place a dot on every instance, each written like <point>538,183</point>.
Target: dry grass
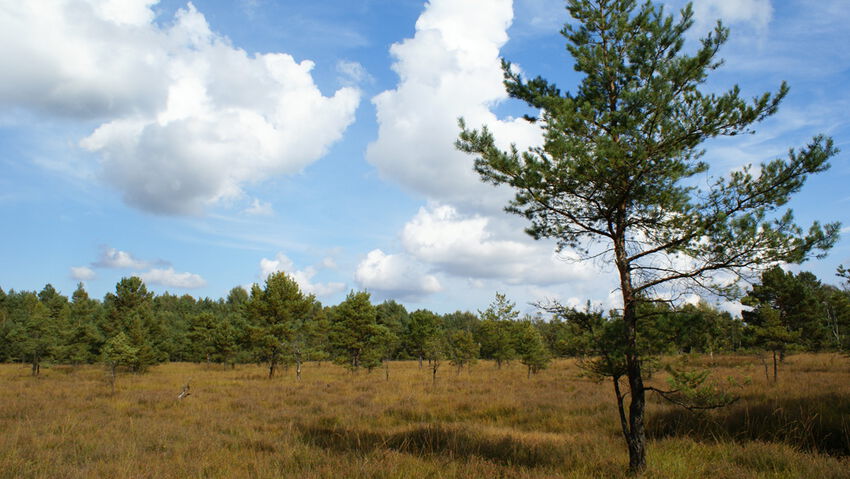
<point>484,424</point>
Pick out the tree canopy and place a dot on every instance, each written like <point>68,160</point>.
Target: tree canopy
<point>620,172</point>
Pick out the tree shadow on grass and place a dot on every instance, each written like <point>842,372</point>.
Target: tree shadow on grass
<point>451,441</point>
<point>815,423</point>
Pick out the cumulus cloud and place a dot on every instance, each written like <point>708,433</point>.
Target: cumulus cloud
<point>114,258</point>
<point>82,273</point>
<point>189,118</point>
<point>395,276</point>
<point>304,278</point>
<point>449,69</point>
<point>169,277</point>
<point>467,246</point>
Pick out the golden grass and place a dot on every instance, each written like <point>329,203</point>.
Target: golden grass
<point>484,424</point>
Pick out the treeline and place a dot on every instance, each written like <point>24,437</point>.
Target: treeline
<point>278,325</point>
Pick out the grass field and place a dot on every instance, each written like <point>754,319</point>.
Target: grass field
<point>486,423</point>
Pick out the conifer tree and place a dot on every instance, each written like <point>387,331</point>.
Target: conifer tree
<point>276,312</point>
<point>129,310</point>
<point>617,171</point>
<point>531,348</point>
<point>462,349</point>
<point>354,327</point>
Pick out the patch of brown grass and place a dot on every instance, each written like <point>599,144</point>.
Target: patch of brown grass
<point>480,424</point>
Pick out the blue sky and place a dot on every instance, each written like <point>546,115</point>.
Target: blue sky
<point>205,145</point>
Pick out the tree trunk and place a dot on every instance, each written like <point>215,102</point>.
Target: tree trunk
<point>36,366</point>
<point>764,363</point>
<point>420,361</point>
<point>298,369</point>
<point>775,368</point>
<point>637,431</point>
<point>272,367</point>
<point>636,437</point>
<point>636,434</point>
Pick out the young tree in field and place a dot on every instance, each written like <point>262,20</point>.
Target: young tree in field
<point>34,332</point>
<point>275,313</point>
<point>462,349</point>
<point>435,350</point>
<point>773,336</point>
<point>421,327</point>
<point>617,171</point>
<point>129,310</point>
<point>531,348</point>
<point>395,318</point>
<point>354,323</point>
<point>118,351</point>
<point>496,330</point>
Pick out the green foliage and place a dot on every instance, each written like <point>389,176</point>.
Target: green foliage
<point>119,351</point>
<point>531,348</point>
<point>423,325</point>
<point>495,332</point>
<point>34,333</point>
<point>395,318</point>
<point>620,168</point>
<point>771,334</point>
<point>462,350</point>
<point>202,336</point>
<point>355,332</point>
<point>129,310</point>
<point>275,313</point>
<point>801,302</point>
<point>692,390</point>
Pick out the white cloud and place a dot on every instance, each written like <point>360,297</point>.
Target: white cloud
<point>304,278</point>
<point>395,276</point>
<point>260,208</point>
<point>82,273</point>
<point>189,118</point>
<point>114,258</point>
<point>758,13</point>
<point>450,68</point>
<point>171,278</point>
<point>467,246</point>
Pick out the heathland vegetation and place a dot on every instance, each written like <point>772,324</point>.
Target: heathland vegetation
<point>275,384</point>
<point>619,177</point>
<point>481,423</point>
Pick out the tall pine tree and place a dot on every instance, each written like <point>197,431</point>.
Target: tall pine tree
<point>618,163</point>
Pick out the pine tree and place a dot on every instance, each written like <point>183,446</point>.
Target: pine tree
<point>275,313</point>
<point>531,348</point>
<point>354,325</point>
<point>462,349</point>
<point>618,165</point>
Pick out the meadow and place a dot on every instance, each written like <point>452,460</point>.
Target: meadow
<point>396,423</point>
